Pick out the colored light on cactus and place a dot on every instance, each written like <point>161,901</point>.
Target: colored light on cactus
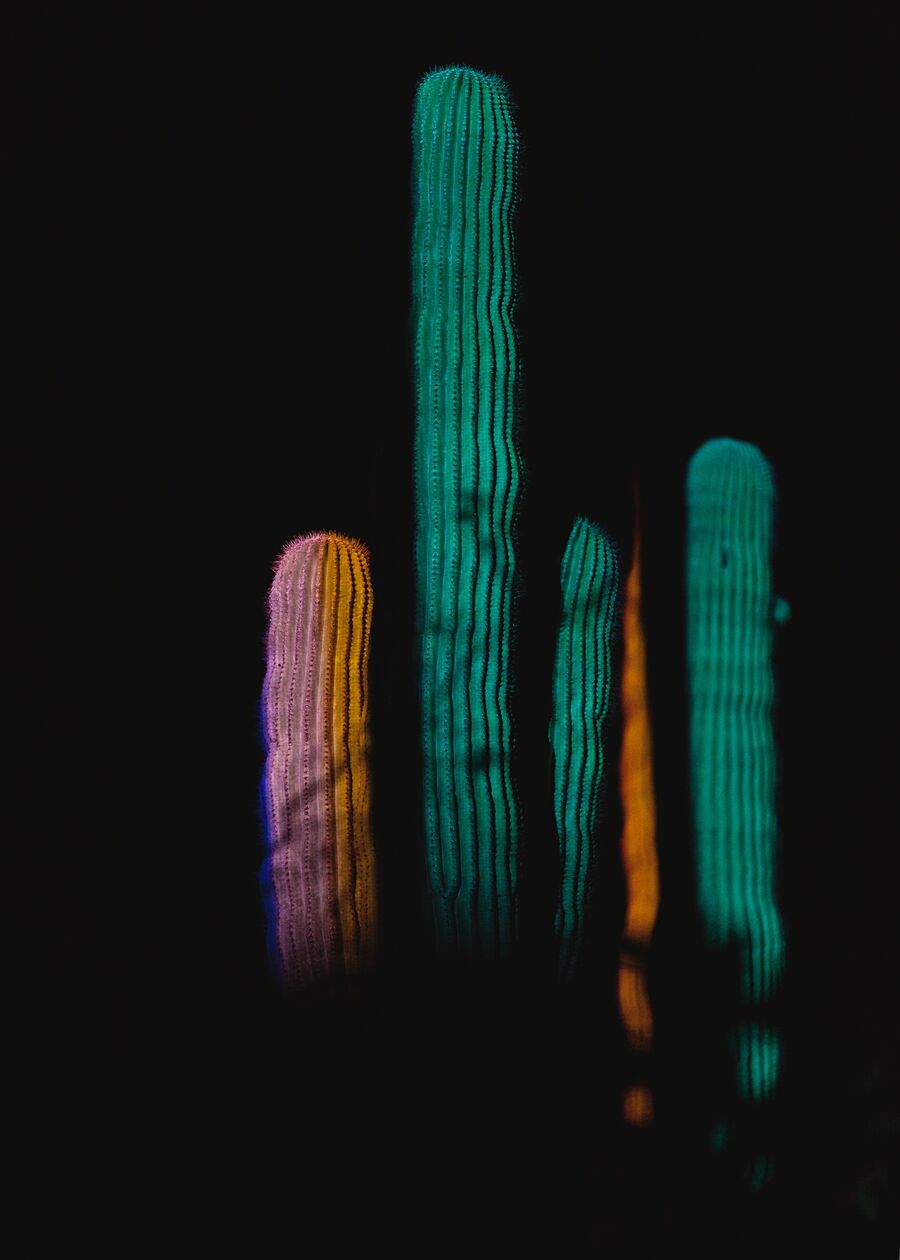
<point>637,1106</point>
<point>467,475</point>
<point>639,857</point>
<point>757,1050</point>
<point>730,619</point>
<point>319,871</point>
<point>634,1002</point>
<point>582,681</point>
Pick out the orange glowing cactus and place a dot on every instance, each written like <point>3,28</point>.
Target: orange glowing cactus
<point>638,839</point>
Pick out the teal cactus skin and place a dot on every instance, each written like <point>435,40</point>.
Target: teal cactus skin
<point>582,683</point>
<point>731,612</point>
<point>467,472</point>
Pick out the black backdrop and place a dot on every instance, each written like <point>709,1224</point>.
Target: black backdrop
<point>221,216</point>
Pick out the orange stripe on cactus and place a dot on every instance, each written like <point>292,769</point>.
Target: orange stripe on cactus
<point>639,856</point>
<point>319,874</point>
<point>351,609</point>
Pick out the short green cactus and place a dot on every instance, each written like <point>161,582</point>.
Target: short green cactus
<point>582,682</point>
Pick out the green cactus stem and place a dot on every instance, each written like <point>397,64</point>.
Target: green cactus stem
<point>582,682</point>
<point>467,484</point>
<point>731,613</point>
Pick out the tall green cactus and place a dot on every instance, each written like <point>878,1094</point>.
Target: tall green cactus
<point>730,619</point>
<point>467,480</point>
<point>582,681</point>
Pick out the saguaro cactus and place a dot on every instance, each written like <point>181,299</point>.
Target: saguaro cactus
<point>730,620</point>
<point>467,477</point>
<point>639,857</point>
<point>582,681</point>
<point>319,872</point>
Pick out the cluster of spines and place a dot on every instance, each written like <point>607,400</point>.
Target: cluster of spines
<point>730,619</point>
<point>319,871</point>
<point>582,683</point>
<point>639,858</point>
<point>468,485</point>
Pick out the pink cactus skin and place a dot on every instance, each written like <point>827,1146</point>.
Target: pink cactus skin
<point>319,870</point>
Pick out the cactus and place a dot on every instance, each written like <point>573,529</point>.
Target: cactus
<point>638,842</point>
<point>319,871</point>
<point>582,680</point>
<point>467,482</point>
<point>730,617</point>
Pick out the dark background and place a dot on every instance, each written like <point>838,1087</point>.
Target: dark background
<point>216,236</point>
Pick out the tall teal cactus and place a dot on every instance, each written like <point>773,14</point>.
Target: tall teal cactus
<point>582,682</point>
<point>730,618</point>
<point>467,480</point>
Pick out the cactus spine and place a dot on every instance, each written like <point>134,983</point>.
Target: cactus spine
<point>319,872</point>
<point>467,478</point>
<point>730,619</point>
<point>582,681</point>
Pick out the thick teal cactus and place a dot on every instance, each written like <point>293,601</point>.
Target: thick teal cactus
<point>467,480</point>
<point>730,619</point>
<point>582,682</point>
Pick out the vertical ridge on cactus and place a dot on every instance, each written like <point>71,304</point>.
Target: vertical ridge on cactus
<point>639,857</point>
<point>467,476</point>
<point>730,620</point>
<point>582,682</point>
<point>319,870</point>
